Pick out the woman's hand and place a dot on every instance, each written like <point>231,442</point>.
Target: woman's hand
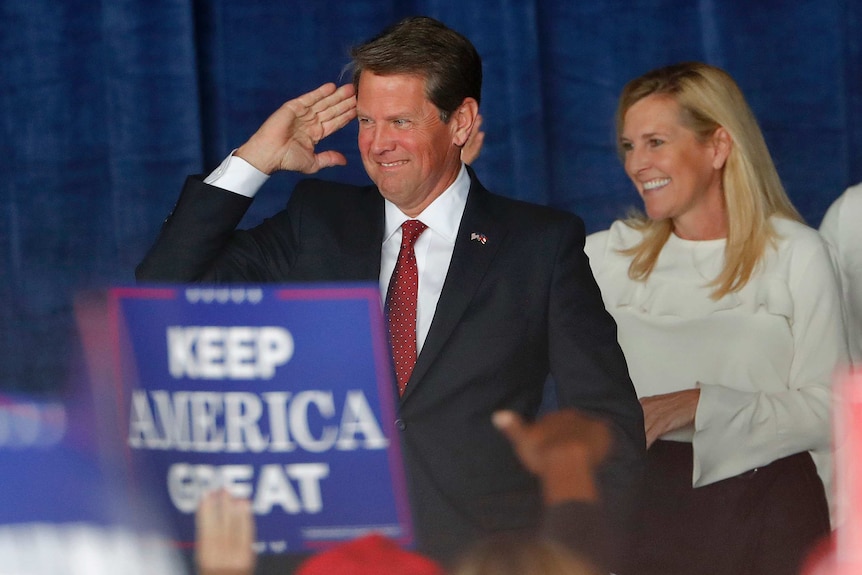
<point>668,412</point>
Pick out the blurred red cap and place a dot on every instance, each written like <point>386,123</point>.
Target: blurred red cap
<point>369,555</point>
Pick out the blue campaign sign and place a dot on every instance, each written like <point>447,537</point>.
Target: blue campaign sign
<point>282,394</point>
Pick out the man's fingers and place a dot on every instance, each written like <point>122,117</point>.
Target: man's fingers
<point>510,424</point>
<point>322,104</point>
<point>204,514</point>
<point>240,524</point>
<point>337,110</point>
<point>310,99</point>
<point>339,121</point>
<point>326,115</point>
<point>328,159</point>
<point>334,104</point>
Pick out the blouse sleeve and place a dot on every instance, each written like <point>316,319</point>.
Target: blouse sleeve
<point>736,430</point>
<point>840,228</point>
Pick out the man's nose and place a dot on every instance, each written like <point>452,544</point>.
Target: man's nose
<point>382,139</point>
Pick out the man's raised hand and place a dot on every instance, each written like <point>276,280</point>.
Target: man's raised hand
<point>563,448</point>
<point>287,139</point>
<point>224,535</point>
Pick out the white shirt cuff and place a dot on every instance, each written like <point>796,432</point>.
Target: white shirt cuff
<point>238,176</point>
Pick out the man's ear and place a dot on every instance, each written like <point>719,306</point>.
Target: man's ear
<point>463,120</point>
<point>722,145</point>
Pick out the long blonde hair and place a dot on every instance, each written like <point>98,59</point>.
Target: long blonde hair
<point>709,98</point>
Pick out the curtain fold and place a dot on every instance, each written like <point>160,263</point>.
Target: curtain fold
<point>99,110</point>
<point>106,106</point>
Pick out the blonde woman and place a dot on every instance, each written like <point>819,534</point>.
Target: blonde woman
<point>842,232</point>
<point>729,316</point>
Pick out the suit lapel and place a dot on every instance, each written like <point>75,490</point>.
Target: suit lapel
<point>479,237</point>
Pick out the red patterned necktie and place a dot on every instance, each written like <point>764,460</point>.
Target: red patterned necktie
<point>401,304</point>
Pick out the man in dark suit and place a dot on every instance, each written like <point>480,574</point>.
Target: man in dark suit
<point>505,293</point>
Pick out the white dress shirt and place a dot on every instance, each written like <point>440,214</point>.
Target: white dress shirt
<point>433,248</point>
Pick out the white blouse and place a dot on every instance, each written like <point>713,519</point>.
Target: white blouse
<point>763,357</point>
<point>842,229</point>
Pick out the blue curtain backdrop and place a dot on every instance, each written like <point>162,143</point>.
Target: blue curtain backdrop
<point>106,105</point>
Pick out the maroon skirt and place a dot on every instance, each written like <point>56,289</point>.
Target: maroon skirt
<point>762,522</point>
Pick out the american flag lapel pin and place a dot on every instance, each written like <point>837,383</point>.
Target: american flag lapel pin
<point>481,238</point>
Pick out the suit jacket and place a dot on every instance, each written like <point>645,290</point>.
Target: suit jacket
<point>513,309</point>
